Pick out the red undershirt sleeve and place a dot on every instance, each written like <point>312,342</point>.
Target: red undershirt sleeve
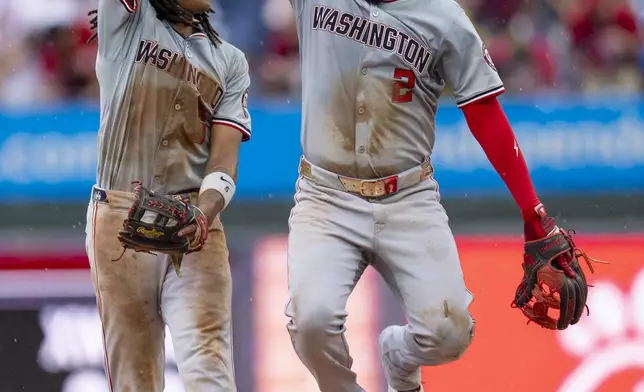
<point>491,128</point>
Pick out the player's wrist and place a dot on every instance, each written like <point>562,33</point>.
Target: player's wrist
<point>534,213</point>
<point>537,223</point>
<point>211,203</point>
<point>222,184</point>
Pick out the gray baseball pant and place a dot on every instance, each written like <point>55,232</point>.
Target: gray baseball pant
<point>334,236</point>
<point>141,293</point>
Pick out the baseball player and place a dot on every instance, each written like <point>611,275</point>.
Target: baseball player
<point>173,114</point>
<point>373,72</point>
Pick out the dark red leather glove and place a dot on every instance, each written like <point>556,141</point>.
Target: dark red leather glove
<point>553,278</point>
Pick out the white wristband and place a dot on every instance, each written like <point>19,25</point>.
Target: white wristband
<point>222,183</point>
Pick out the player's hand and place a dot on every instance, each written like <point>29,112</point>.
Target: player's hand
<point>211,203</point>
<point>197,231</point>
<point>193,228</point>
<point>553,279</point>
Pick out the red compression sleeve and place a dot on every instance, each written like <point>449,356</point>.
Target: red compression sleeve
<point>492,130</point>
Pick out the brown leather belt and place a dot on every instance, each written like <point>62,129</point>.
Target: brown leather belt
<point>370,188</point>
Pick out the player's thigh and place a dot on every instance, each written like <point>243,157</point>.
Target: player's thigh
<point>417,256</point>
<point>197,305</point>
<point>201,296</point>
<point>324,257</point>
<point>123,277</point>
<point>127,298</point>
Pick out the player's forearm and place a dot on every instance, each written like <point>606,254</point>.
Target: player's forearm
<point>491,128</point>
<point>212,201</point>
<point>220,177</point>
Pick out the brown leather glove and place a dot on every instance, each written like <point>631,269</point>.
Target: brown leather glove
<point>154,221</point>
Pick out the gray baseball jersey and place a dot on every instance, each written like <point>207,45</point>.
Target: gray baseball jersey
<point>160,93</point>
<point>372,76</point>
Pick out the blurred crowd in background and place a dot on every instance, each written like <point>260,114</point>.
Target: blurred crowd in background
<point>537,45</point>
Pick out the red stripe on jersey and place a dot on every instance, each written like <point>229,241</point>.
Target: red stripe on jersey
<point>238,127</point>
<point>130,5</point>
<point>99,300</point>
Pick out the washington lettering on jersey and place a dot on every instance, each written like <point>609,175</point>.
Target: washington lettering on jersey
<point>151,54</point>
<point>372,34</point>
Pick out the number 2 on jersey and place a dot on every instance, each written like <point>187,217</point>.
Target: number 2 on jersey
<point>403,86</point>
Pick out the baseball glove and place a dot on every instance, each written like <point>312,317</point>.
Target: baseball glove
<point>553,278</point>
<point>154,221</point>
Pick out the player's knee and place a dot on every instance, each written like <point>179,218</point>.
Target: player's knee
<point>450,335</point>
<point>316,324</point>
<point>456,341</point>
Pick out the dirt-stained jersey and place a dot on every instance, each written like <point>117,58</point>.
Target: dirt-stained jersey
<point>372,76</point>
<point>160,94</point>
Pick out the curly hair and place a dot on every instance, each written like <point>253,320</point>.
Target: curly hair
<point>169,10</point>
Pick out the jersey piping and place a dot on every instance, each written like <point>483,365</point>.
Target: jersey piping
<point>234,124</point>
<point>485,94</point>
<point>130,5</point>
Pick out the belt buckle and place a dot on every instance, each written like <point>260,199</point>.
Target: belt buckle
<point>379,188</point>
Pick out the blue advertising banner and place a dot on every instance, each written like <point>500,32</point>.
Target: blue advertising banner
<point>573,146</point>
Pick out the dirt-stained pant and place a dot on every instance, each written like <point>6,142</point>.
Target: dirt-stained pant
<point>333,237</point>
<point>141,293</point>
